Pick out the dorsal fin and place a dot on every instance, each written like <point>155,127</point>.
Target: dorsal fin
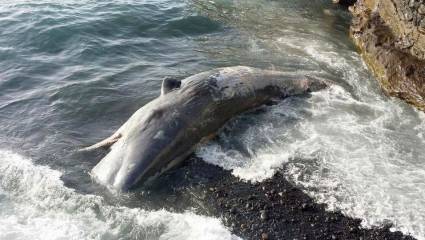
<point>168,84</point>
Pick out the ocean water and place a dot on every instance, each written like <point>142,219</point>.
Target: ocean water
<point>71,72</point>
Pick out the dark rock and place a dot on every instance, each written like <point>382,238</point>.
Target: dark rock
<point>345,3</point>
<point>287,219</point>
<point>233,210</point>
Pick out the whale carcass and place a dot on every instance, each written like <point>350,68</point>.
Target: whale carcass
<point>166,130</point>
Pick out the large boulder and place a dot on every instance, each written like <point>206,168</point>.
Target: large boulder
<point>391,38</point>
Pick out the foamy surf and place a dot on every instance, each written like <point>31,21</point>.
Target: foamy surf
<point>352,149</point>
<point>353,165</point>
<point>35,204</point>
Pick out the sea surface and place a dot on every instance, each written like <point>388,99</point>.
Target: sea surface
<point>71,72</point>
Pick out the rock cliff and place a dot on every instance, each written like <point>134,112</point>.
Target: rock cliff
<point>391,37</point>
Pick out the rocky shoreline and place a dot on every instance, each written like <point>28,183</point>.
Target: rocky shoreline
<point>390,35</point>
<point>272,209</point>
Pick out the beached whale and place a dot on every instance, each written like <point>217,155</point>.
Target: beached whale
<point>165,131</point>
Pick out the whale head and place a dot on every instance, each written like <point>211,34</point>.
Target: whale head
<point>151,142</point>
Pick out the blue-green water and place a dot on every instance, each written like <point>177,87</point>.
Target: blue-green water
<point>71,72</point>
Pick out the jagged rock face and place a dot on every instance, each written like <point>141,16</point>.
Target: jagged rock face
<point>391,38</point>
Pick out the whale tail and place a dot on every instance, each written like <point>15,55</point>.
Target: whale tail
<point>105,143</point>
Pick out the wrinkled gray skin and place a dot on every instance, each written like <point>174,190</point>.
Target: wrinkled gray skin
<point>165,131</point>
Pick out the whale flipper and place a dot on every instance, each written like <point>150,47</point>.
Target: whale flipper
<point>107,142</point>
<point>169,84</point>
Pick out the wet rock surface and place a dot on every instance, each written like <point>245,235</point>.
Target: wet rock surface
<point>272,209</point>
<point>391,38</point>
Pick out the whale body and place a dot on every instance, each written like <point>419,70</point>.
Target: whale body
<point>165,131</point>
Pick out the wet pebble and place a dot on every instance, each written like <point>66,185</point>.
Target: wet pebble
<point>233,210</point>
<point>263,215</point>
<point>264,236</point>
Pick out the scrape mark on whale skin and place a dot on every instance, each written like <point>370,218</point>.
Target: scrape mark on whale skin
<point>226,87</point>
<point>159,135</point>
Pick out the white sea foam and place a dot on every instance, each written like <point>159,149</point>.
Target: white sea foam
<point>348,146</point>
<point>35,204</point>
